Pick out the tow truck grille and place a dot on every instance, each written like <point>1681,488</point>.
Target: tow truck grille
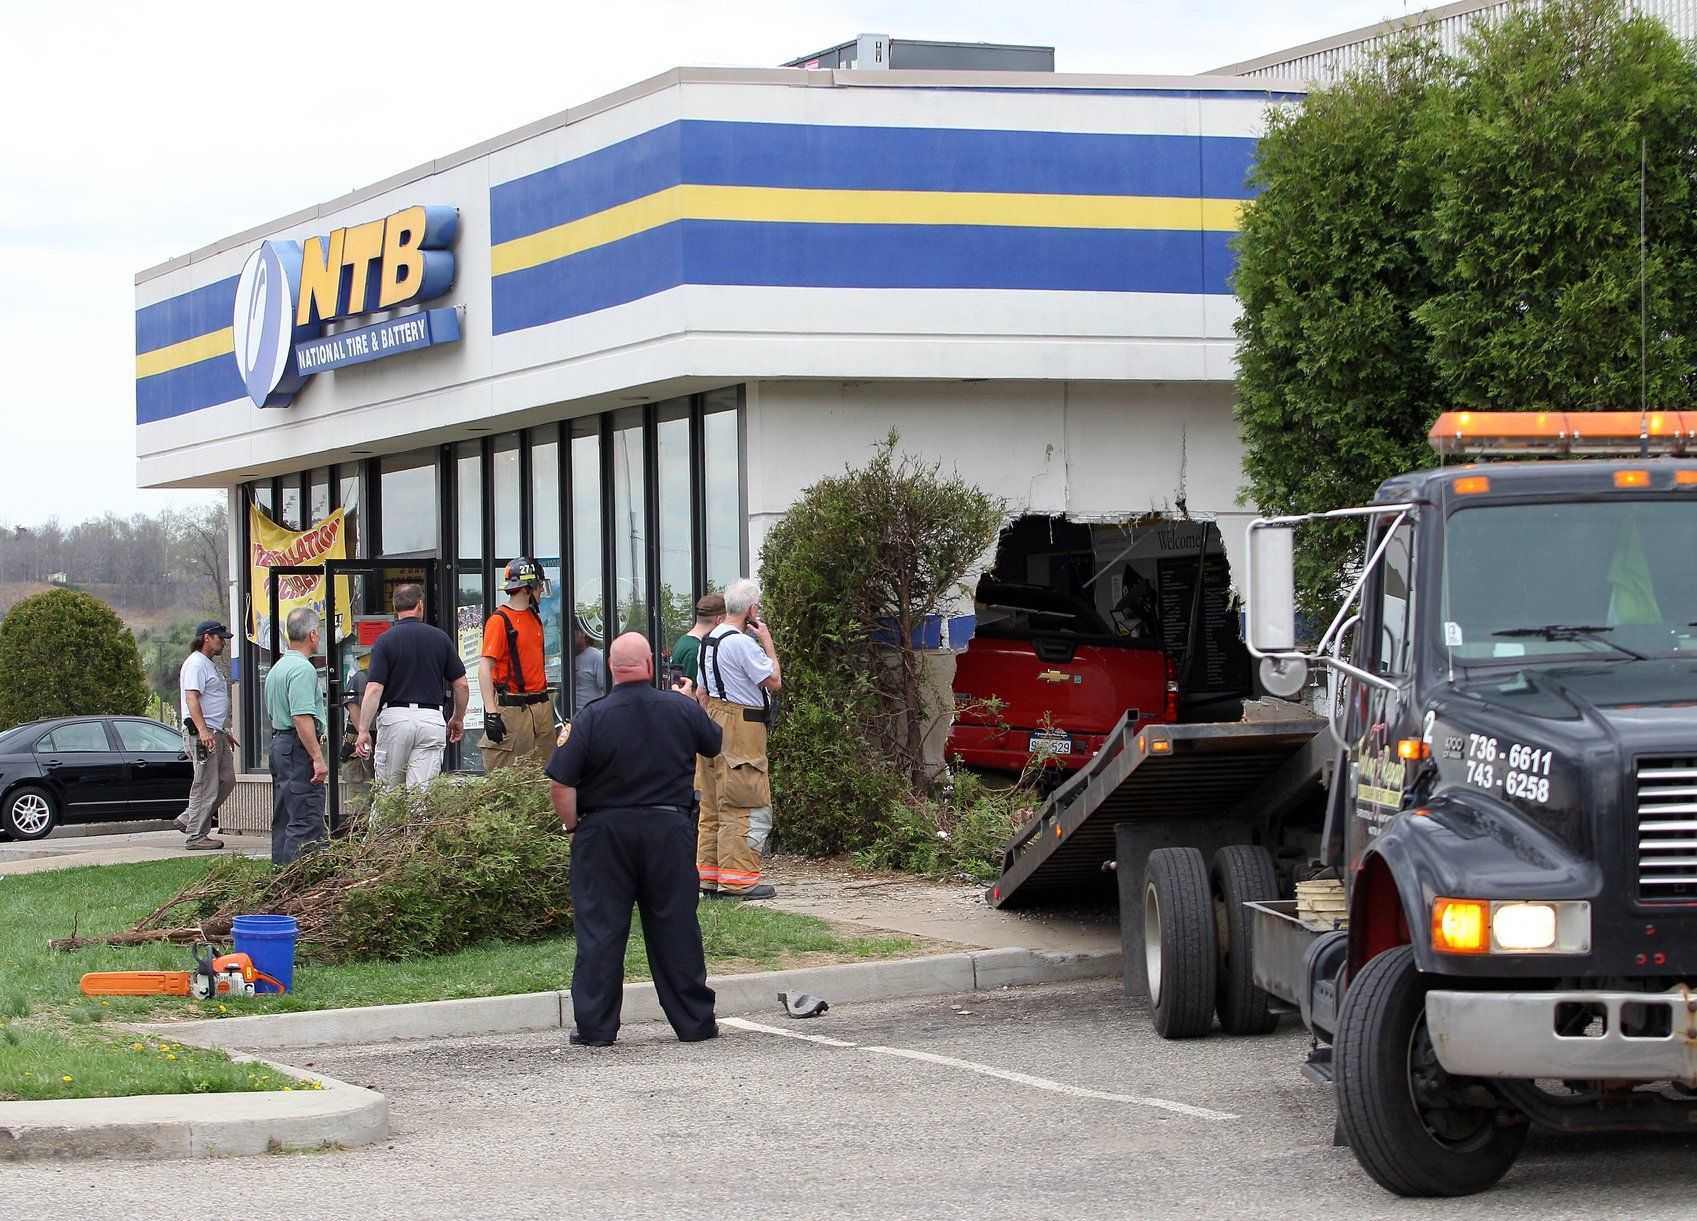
<point>1667,830</point>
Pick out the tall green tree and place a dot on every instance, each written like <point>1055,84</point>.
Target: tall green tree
<point>1535,221</point>
<point>1463,232</point>
<point>65,653</point>
<point>1335,381</point>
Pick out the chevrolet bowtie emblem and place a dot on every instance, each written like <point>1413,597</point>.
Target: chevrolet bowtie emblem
<point>1054,676</point>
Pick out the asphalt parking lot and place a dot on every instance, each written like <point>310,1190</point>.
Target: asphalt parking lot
<point>1045,1101</point>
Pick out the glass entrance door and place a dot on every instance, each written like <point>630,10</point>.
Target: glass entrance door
<point>367,588</point>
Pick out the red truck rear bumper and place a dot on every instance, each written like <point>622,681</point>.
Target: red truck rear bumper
<point>1009,749</point>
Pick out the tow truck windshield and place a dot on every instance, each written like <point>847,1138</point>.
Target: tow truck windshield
<point>1600,579</point>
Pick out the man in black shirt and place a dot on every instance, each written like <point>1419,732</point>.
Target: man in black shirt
<point>623,785</point>
<point>413,667</point>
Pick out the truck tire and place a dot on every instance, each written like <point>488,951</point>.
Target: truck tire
<point>1391,1092</point>
<point>1178,942</point>
<point>1242,873</point>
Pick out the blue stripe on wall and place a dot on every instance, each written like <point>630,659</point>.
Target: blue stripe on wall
<point>180,391</point>
<point>861,256</point>
<point>193,313</point>
<point>827,157</point>
<point>637,266</point>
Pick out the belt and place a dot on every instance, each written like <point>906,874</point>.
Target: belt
<point>406,704</point>
<point>519,701</point>
<point>684,810</point>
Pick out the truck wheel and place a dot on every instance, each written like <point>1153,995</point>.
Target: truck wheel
<point>1243,873</point>
<point>1178,942</point>
<point>1404,1117</point>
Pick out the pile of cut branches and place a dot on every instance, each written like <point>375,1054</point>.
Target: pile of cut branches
<point>438,868</point>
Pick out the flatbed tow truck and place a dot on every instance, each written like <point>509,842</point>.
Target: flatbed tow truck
<point>1477,882</point>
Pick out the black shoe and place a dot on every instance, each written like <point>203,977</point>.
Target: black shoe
<point>578,1040</point>
<point>712,1032</point>
<point>761,891</point>
<point>709,893</point>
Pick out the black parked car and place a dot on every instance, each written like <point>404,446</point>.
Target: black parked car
<point>90,769</point>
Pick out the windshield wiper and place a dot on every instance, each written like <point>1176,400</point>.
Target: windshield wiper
<point>1572,631</point>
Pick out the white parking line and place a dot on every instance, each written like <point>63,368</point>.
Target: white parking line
<point>742,1024</point>
<point>1001,1074</point>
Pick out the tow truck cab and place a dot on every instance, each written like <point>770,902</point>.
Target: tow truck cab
<point>1513,812</point>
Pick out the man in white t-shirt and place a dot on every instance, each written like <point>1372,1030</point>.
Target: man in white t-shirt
<point>736,671</point>
<point>206,735</point>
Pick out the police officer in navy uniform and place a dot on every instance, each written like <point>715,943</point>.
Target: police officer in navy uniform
<point>623,785</point>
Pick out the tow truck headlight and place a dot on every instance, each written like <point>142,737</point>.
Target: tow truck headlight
<point>1524,926</point>
<point>1510,926</point>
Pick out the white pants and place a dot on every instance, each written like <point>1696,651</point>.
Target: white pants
<point>410,742</point>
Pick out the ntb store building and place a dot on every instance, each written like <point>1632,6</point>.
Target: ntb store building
<point>624,339</point>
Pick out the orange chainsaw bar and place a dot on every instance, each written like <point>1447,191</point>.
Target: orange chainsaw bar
<point>136,983</point>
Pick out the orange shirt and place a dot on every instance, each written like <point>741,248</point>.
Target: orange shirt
<point>531,661</point>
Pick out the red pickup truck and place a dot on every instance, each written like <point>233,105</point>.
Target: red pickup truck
<point>1045,676</point>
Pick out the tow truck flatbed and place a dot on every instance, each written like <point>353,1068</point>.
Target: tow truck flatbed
<point>1200,773</point>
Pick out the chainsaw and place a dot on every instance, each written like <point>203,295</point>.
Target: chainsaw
<point>226,975</point>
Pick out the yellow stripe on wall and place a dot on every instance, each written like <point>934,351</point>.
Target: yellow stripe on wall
<point>801,206</point>
<point>188,352</point>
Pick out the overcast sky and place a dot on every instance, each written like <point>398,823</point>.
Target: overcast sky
<point>138,132</point>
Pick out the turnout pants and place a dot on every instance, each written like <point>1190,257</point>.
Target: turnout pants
<point>410,742</point>
<point>297,804</point>
<point>736,803</point>
<point>530,735</point>
<point>637,856</point>
<point>214,780</point>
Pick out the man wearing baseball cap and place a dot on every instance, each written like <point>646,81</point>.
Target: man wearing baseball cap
<point>206,735</point>
<point>512,675</point>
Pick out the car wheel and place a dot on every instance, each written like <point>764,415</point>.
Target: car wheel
<point>1243,873</point>
<point>1414,1128</point>
<point>1179,943</point>
<point>28,813</point>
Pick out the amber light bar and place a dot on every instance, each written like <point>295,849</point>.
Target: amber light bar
<point>1520,433</point>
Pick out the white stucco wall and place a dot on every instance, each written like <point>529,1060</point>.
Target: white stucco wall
<point>1091,450</point>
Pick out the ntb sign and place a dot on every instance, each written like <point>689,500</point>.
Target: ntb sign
<point>288,292</point>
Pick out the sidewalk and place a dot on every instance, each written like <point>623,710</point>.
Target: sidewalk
<point>951,912</point>
<point>61,851</point>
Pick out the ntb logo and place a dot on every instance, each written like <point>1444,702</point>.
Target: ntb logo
<point>287,293</point>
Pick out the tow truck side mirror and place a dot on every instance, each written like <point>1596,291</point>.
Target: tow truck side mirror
<point>1272,589</point>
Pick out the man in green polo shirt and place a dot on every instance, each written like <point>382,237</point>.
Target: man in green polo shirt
<point>298,769</point>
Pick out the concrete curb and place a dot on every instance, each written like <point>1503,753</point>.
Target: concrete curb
<point>842,983</point>
<point>195,1125</point>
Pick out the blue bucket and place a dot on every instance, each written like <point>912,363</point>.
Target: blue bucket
<point>270,942</point>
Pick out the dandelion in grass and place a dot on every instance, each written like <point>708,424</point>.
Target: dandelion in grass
<point>66,1078</point>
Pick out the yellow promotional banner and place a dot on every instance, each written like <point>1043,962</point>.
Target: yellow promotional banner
<point>273,546</point>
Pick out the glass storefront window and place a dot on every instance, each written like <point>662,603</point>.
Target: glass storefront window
<point>504,479</point>
<point>409,503</point>
<point>586,588</point>
<point>677,544</point>
<point>349,479</point>
<point>629,532</point>
<point>467,631</point>
<point>618,530</point>
<point>723,471</point>
<point>545,537</point>
<point>468,491</point>
<point>319,500</point>
<point>290,514</point>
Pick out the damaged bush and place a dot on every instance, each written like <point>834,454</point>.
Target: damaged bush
<point>463,860</point>
<point>960,833</point>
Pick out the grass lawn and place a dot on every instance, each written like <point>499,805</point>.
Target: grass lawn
<point>55,1042</point>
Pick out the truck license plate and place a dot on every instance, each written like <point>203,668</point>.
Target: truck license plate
<point>1042,745</point>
